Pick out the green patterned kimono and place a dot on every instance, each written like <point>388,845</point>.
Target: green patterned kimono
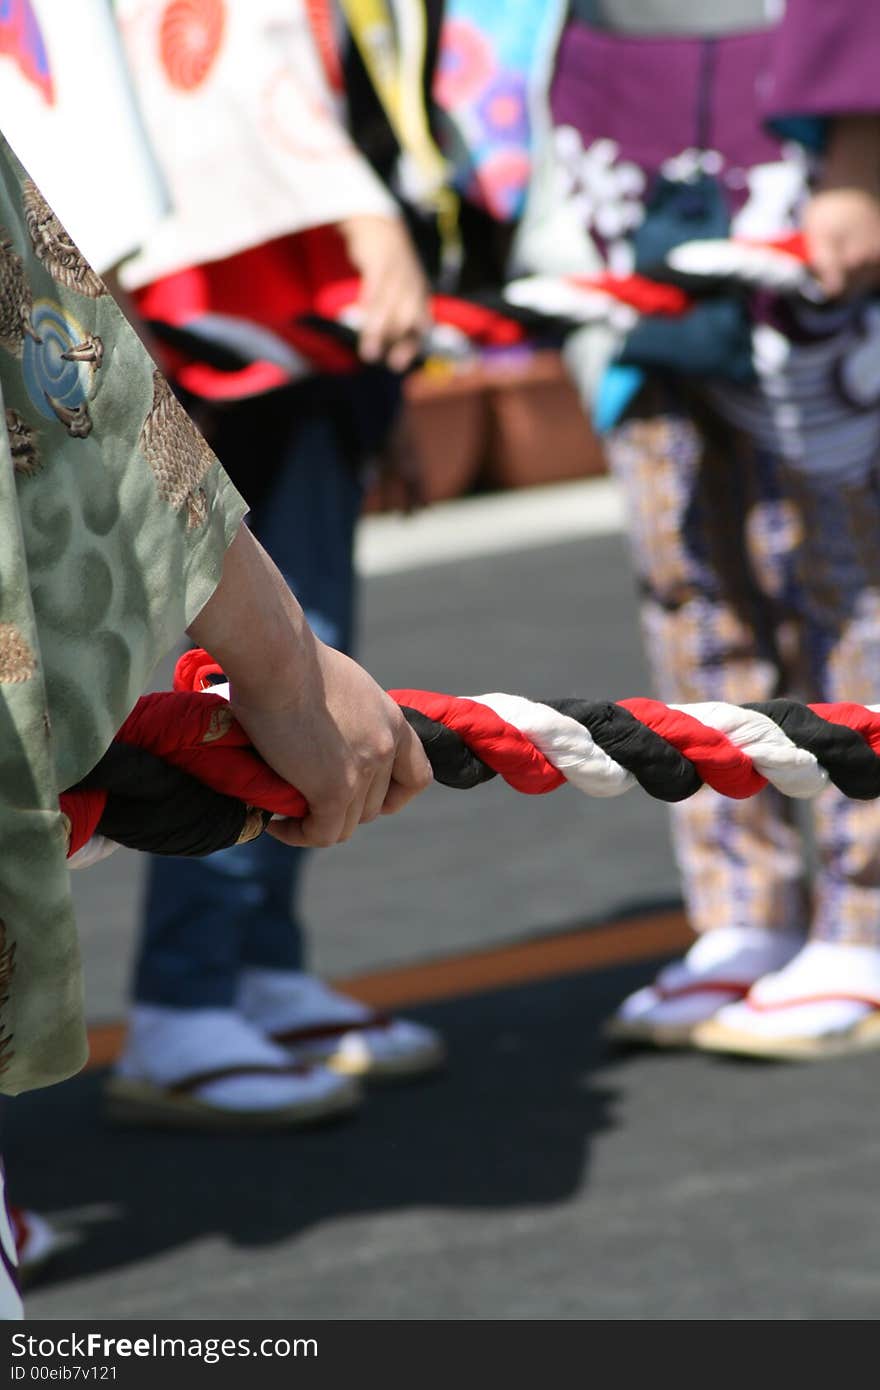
<point>114,520</point>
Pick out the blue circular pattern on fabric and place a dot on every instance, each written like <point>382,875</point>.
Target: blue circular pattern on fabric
<point>46,374</point>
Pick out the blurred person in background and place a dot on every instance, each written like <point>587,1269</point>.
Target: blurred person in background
<point>273,211</point>
<point>746,437</point>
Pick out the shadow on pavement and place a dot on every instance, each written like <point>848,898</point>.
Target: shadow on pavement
<point>509,1125</point>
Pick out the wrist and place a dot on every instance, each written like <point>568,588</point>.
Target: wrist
<point>255,629</point>
<point>360,233</point>
<point>274,677</point>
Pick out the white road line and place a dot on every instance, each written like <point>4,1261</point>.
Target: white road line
<point>477,526</point>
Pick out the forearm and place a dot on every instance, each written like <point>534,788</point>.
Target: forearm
<point>852,154</point>
<point>842,219</point>
<point>254,627</point>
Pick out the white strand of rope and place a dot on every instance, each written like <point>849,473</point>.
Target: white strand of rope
<point>795,771</point>
<point>565,743</point>
<point>571,749</point>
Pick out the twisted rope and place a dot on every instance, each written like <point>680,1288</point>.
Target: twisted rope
<point>605,748</point>
<point>182,778</point>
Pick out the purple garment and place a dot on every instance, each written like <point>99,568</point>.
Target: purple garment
<point>699,109</point>
<point>826,59</point>
<point>657,97</point>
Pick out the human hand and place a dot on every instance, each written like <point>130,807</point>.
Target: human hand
<point>842,228</point>
<point>316,717</point>
<point>842,219</point>
<point>394,291</point>
<point>341,741</point>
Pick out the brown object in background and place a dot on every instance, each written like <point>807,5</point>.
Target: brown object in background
<point>540,433</point>
<point>449,415</point>
<point>512,423</point>
<point>449,424</point>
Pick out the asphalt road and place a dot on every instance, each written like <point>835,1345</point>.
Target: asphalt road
<point>541,1176</point>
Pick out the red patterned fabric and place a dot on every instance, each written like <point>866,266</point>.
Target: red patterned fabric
<point>190,40</point>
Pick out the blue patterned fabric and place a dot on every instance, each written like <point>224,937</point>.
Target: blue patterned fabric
<point>491,66</point>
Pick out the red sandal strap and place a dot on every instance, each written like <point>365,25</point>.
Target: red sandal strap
<point>705,987</point>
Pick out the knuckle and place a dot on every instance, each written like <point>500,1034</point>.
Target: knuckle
<point>385,747</point>
<point>380,751</point>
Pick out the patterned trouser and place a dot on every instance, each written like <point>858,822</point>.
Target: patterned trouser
<point>760,576</point>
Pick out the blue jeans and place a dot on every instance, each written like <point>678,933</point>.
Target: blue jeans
<point>207,918</point>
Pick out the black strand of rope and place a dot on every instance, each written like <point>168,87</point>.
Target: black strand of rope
<point>659,768</point>
<point>849,760</point>
<point>452,762</point>
<point>157,808</point>
<point>213,827</point>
